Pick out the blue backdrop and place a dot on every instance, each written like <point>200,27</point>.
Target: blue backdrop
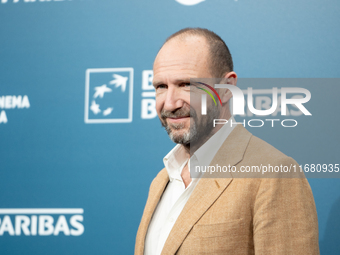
<point>77,123</point>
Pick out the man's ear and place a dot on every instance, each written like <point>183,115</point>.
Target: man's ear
<point>231,79</point>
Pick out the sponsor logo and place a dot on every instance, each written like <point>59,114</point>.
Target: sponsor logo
<point>12,102</point>
<point>148,104</point>
<point>109,95</point>
<point>189,2</point>
<point>41,222</point>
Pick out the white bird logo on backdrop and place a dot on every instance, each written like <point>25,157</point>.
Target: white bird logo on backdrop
<point>118,81</point>
<point>95,107</point>
<point>108,111</point>
<point>189,2</point>
<point>101,90</point>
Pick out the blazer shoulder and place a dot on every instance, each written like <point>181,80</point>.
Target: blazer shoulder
<point>260,149</point>
<point>160,177</point>
<point>269,161</point>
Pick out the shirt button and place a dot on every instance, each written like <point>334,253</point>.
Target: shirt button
<point>171,219</point>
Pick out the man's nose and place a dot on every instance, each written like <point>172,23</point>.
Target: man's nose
<point>173,99</point>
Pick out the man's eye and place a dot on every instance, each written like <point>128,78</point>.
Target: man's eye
<point>161,86</point>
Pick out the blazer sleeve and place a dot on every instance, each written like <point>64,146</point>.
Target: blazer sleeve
<point>285,218</point>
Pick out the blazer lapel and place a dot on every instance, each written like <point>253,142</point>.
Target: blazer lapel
<point>208,189</point>
<point>156,190</point>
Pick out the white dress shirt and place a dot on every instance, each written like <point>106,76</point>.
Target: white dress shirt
<point>176,195</point>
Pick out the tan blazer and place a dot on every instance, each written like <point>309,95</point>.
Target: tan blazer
<point>233,215</point>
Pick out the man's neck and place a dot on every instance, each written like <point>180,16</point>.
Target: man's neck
<point>190,149</point>
<point>186,175</point>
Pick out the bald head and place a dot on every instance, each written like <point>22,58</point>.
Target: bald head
<point>185,53</point>
<point>219,58</point>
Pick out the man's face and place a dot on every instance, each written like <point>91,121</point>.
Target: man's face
<point>177,62</point>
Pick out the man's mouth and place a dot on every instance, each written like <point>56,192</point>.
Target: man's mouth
<point>178,119</point>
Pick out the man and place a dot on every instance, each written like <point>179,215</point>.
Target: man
<point>223,214</point>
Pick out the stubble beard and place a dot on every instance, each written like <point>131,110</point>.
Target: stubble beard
<point>197,132</point>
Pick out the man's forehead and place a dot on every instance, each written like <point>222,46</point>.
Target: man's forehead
<point>191,45</point>
<point>179,72</point>
<point>181,58</point>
